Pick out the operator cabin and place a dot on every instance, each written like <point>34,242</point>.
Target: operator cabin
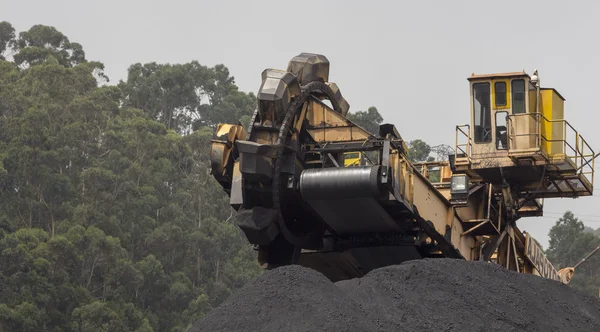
<point>508,95</point>
<point>494,98</point>
<point>514,124</point>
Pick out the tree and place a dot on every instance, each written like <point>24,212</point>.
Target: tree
<point>41,42</point>
<point>368,120</point>
<point>109,220</point>
<point>187,96</point>
<point>7,36</point>
<point>569,243</point>
<point>418,151</point>
<point>591,230</point>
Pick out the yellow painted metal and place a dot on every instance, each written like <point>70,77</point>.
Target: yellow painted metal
<point>566,274</point>
<point>463,145</point>
<point>536,256</point>
<point>298,124</point>
<point>264,136</point>
<point>236,185</point>
<point>326,125</point>
<point>221,149</point>
<point>552,109</point>
<point>537,138</point>
<point>531,96</point>
<point>516,74</point>
<point>507,94</point>
<point>352,158</point>
<point>434,206</point>
<point>540,138</point>
<point>403,177</point>
<point>524,134</point>
<point>435,171</point>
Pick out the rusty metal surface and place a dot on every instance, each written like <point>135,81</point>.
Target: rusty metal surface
<point>221,159</point>
<point>275,95</point>
<point>345,107</point>
<point>327,125</point>
<point>309,67</point>
<point>536,256</point>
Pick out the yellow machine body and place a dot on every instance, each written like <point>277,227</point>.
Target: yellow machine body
<point>313,188</point>
<point>552,108</point>
<point>519,132</point>
<point>353,159</point>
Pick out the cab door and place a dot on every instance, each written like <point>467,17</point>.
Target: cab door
<point>501,101</point>
<point>481,104</point>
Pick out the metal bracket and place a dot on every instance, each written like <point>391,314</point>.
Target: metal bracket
<point>492,245</point>
<point>333,160</point>
<point>509,204</point>
<point>443,244</point>
<point>385,160</point>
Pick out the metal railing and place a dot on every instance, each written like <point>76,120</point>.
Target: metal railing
<point>433,170</point>
<point>466,147</point>
<point>574,146</point>
<point>511,119</point>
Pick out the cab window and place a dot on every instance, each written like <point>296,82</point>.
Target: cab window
<point>500,93</point>
<point>482,129</point>
<point>518,96</point>
<point>501,131</point>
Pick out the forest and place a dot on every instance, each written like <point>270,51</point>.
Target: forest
<point>109,218</point>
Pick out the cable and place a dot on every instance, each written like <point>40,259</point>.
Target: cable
<point>556,217</point>
<point>575,214</point>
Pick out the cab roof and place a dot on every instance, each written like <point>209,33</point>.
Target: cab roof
<point>499,75</point>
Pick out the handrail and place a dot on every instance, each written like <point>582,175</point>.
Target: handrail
<point>574,146</point>
<point>467,146</point>
<point>537,133</point>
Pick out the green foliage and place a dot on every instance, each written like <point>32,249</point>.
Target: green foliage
<point>596,232</point>
<point>43,43</point>
<point>7,35</point>
<point>186,96</point>
<point>418,151</point>
<point>569,244</point>
<point>109,220</point>
<point>368,120</point>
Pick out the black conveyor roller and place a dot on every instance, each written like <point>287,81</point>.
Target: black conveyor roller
<point>346,198</point>
<point>340,182</point>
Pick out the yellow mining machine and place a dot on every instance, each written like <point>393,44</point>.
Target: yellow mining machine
<point>313,188</point>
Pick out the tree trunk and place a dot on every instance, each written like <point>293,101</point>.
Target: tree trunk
<point>199,210</point>
<point>217,273</point>
<point>87,286</point>
<point>198,261</point>
<point>51,215</point>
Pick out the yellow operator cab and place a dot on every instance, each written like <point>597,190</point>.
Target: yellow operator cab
<point>518,134</point>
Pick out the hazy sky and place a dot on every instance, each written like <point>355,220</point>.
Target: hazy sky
<point>409,59</point>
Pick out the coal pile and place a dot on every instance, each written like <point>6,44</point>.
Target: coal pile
<point>421,295</point>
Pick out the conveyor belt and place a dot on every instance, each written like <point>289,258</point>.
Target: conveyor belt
<point>346,198</point>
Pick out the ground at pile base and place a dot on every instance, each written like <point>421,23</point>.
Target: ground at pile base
<point>426,295</point>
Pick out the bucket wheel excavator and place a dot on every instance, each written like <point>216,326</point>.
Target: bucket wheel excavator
<point>311,187</point>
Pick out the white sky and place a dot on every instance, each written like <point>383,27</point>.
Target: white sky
<point>409,59</point>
